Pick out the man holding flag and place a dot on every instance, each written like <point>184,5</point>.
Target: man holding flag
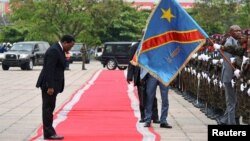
<point>171,38</point>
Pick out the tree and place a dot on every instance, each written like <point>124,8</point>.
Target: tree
<point>12,35</point>
<point>50,19</point>
<point>102,14</point>
<point>128,26</point>
<point>244,19</point>
<point>90,21</point>
<point>215,16</point>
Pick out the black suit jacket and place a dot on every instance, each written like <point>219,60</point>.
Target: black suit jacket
<point>52,74</point>
<point>133,72</point>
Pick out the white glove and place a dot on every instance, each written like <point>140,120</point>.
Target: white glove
<point>213,76</point>
<point>206,58</point>
<point>200,57</point>
<point>205,75</point>
<point>215,61</point>
<point>217,46</point>
<point>198,75</point>
<point>194,72</point>
<point>244,60</point>
<point>221,61</point>
<point>215,81</point>
<point>232,59</point>
<point>208,80</point>
<point>248,92</point>
<point>237,73</point>
<point>221,84</point>
<point>242,87</point>
<point>232,81</point>
<point>195,55</point>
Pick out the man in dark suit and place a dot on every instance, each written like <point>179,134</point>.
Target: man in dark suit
<point>232,48</point>
<point>133,73</point>
<point>51,82</point>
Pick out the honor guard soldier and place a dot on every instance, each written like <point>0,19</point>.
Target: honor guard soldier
<point>231,49</point>
<point>84,55</point>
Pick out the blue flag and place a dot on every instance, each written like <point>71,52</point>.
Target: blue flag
<point>170,40</point>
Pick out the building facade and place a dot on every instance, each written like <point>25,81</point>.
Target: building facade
<point>4,7</point>
<point>142,4</point>
<point>149,4</point>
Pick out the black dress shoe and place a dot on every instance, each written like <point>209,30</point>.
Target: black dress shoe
<point>156,121</point>
<point>147,124</point>
<point>54,137</point>
<point>165,125</point>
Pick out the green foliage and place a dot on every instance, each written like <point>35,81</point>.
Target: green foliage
<point>90,21</point>
<point>10,34</point>
<point>244,19</point>
<point>102,15</point>
<point>216,16</point>
<point>96,21</point>
<point>128,26</point>
<point>49,20</point>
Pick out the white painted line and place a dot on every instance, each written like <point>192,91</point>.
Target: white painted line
<point>147,134</point>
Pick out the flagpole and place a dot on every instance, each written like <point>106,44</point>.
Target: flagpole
<point>223,56</point>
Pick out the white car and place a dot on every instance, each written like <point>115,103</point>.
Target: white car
<point>98,52</point>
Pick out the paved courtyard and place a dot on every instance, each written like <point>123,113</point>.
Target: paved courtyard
<point>20,105</point>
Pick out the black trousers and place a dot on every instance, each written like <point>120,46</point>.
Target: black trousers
<point>141,89</point>
<point>48,107</point>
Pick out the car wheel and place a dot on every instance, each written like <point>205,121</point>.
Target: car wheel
<point>111,65</point>
<point>5,67</point>
<point>122,67</point>
<point>23,67</point>
<point>30,65</point>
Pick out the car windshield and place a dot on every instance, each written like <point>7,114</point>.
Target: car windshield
<point>22,47</point>
<point>77,47</point>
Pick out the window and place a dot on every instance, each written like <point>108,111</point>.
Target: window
<point>108,49</point>
<point>122,49</point>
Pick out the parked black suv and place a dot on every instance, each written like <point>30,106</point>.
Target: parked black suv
<point>25,55</point>
<point>115,54</point>
<point>76,55</point>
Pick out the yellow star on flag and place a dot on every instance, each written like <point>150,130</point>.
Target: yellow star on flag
<point>167,14</point>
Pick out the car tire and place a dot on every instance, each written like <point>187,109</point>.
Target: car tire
<point>122,67</point>
<point>5,67</point>
<point>30,65</point>
<point>23,67</point>
<point>111,64</point>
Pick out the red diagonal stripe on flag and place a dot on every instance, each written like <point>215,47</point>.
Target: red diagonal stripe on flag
<point>134,60</point>
<point>172,36</point>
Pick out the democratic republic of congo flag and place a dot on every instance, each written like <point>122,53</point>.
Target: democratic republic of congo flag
<point>134,60</point>
<point>170,40</point>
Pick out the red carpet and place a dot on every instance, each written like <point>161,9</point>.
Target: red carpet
<point>104,109</point>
